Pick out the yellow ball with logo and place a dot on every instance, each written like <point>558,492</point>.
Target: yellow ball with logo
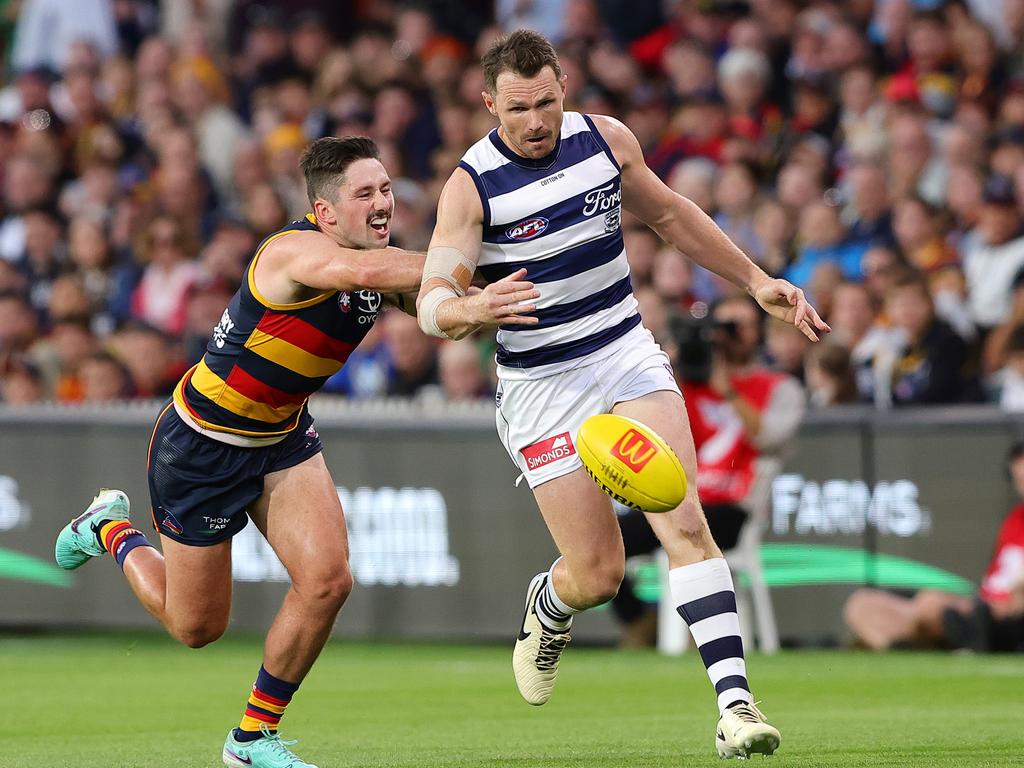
<point>631,463</point>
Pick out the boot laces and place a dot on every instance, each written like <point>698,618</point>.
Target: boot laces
<point>551,647</point>
<point>747,712</point>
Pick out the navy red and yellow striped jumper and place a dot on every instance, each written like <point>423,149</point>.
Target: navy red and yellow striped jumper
<point>264,360</point>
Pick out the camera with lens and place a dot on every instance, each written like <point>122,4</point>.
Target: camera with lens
<point>695,341</point>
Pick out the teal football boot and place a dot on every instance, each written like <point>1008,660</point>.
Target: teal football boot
<point>270,751</point>
<point>79,539</point>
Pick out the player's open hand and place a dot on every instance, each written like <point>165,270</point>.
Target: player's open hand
<point>785,301</point>
<point>505,302</point>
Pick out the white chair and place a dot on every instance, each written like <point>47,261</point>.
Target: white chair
<point>745,561</point>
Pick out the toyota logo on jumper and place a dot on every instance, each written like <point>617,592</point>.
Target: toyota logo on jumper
<point>602,199</point>
<point>527,230</point>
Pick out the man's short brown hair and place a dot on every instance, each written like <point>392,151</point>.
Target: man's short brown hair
<point>912,279</point>
<point>523,52</point>
<point>325,161</point>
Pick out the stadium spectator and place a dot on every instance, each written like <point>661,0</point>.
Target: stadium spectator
<point>994,254</point>
<point>413,355</point>
<point>773,226</point>
<point>18,327</point>
<point>824,241</point>
<point>161,296</point>
<point>22,384</point>
<point>932,366</point>
<point>735,199</point>
<point>915,224</point>
<point>738,411</point>
<point>872,347</point>
<point>784,350</point>
<point>829,375</point>
<point>103,379</point>
<point>881,265</point>
<point>461,373</point>
<point>43,255</point>
<point>757,118</point>
<point>60,356</point>
<point>991,620</point>
<point>870,215</point>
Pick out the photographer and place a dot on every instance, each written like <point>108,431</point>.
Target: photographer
<point>738,411</point>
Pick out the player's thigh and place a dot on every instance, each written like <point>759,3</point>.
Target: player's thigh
<point>664,411</point>
<point>538,422</point>
<point>582,523</point>
<point>301,517</point>
<point>198,596</point>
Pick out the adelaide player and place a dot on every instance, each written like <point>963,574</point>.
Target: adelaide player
<point>238,442</point>
<point>541,196</point>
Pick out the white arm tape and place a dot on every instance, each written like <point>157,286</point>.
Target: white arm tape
<point>450,265</point>
<point>427,312</point>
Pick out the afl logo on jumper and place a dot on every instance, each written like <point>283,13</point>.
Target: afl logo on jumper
<point>344,301</point>
<point>527,230</point>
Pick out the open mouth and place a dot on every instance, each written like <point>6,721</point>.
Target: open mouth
<point>536,141</point>
<point>380,224</point>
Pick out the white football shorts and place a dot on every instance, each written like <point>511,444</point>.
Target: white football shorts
<point>538,419</point>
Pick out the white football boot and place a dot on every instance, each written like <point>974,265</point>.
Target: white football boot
<point>538,649</point>
<point>743,731</point>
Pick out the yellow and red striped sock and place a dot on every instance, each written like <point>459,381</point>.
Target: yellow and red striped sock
<point>119,537</point>
<point>266,706</point>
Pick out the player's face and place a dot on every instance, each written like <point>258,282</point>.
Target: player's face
<point>529,110</point>
<point>364,205</point>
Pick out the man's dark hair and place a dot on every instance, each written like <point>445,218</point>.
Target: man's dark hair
<point>523,52</point>
<point>325,161</point>
<point>911,279</point>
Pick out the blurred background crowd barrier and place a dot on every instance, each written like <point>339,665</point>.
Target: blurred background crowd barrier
<point>441,539</point>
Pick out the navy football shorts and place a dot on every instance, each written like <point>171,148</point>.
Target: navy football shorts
<point>200,488</point>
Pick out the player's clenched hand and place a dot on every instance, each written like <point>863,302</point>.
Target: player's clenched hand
<point>785,301</point>
<point>505,302</point>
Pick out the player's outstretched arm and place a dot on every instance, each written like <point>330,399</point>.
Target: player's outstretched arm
<point>314,260</point>
<point>447,306</point>
<point>682,224</point>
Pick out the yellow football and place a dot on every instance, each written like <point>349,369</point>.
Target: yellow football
<point>631,463</point>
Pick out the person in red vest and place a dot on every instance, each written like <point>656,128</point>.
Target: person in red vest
<point>739,410</point>
<point>990,620</point>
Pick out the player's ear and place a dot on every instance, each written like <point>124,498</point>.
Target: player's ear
<point>562,81</point>
<point>324,212</point>
<point>489,102</point>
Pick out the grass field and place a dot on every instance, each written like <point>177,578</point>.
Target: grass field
<point>107,701</point>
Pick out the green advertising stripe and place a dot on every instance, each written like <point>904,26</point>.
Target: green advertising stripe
<point>21,567</point>
<point>792,565</point>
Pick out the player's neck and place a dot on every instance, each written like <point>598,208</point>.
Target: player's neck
<point>337,237</point>
<point>513,153</point>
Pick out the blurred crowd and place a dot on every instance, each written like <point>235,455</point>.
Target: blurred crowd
<point>870,151</point>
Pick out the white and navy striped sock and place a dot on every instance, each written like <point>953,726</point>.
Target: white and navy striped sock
<point>707,602</point>
<point>551,610</point>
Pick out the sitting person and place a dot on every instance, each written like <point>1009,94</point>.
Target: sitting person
<point>992,620</point>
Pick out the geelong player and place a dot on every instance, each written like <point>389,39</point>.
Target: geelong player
<point>237,440</point>
<point>540,197</point>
